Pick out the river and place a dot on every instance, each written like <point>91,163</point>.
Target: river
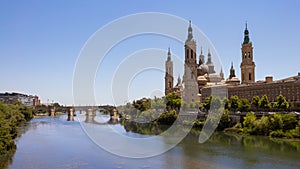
<point>57,143</point>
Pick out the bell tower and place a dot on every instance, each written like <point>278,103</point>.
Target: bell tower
<point>190,92</point>
<point>247,65</point>
<point>169,79</point>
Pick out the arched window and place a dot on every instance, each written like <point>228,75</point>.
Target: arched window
<point>249,76</point>
<point>170,85</point>
<point>248,54</point>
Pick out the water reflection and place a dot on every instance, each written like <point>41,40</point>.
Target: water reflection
<point>99,118</point>
<point>59,143</point>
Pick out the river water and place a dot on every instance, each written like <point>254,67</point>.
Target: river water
<point>52,143</point>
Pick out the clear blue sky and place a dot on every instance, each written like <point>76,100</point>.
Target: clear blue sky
<point>41,40</point>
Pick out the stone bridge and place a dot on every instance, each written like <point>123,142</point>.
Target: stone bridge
<point>91,110</point>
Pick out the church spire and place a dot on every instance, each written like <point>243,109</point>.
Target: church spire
<point>209,57</point>
<point>201,58</point>
<point>169,54</point>
<point>178,80</point>
<point>232,71</point>
<point>190,32</point>
<point>222,74</point>
<point>246,35</point>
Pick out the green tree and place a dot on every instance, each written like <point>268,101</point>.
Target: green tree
<point>248,123</point>
<point>224,121</point>
<point>264,102</point>
<point>281,103</point>
<point>173,101</point>
<point>142,104</point>
<point>146,104</point>
<point>276,122</point>
<point>11,117</point>
<point>148,115</point>
<point>168,117</point>
<point>18,103</point>
<point>56,105</point>
<point>289,121</point>
<point>158,103</point>
<point>255,102</point>
<point>261,126</point>
<point>244,105</point>
<point>234,102</point>
<point>226,103</point>
<point>27,112</point>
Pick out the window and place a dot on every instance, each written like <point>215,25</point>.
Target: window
<point>187,52</point>
<point>170,85</point>
<point>249,76</point>
<point>248,54</point>
<point>191,54</point>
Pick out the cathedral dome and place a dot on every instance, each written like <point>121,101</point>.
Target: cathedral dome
<point>203,68</point>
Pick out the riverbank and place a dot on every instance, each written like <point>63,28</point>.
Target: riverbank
<point>275,125</point>
<point>166,110</point>
<point>12,117</point>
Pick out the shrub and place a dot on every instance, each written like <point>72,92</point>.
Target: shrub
<point>277,133</point>
<point>225,121</point>
<point>289,121</point>
<point>249,121</point>
<point>276,122</point>
<point>294,133</point>
<point>261,126</point>
<point>167,117</point>
<point>198,124</point>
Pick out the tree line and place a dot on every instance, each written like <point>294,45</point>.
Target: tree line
<point>165,111</point>
<point>12,116</point>
<point>234,103</point>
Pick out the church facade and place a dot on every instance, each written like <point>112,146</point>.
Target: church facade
<point>200,78</point>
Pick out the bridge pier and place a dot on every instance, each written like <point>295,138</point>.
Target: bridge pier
<point>71,115</point>
<point>53,113</point>
<point>114,114</point>
<point>90,112</point>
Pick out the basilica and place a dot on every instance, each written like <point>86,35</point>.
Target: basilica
<point>200,78</point>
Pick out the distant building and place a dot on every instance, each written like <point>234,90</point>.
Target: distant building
<point>27,100</point>
<point>201,81</point>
